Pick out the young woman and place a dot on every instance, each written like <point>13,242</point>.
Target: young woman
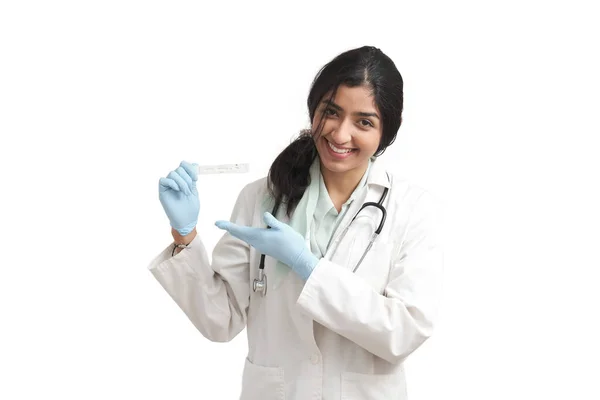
<point>333,265</point>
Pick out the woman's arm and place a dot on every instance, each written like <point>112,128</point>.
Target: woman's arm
<point>214,296</point>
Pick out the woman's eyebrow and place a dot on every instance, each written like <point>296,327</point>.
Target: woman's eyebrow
<point>358,113</point>
<point>333,105</point>
<point>366,114</point>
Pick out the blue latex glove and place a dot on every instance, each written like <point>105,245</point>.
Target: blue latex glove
<point>179,197</point>
<point>281,242</point>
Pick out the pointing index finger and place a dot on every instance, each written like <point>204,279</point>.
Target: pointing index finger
<point>241,232</point>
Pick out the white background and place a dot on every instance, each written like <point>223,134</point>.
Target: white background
<point>98,100</point>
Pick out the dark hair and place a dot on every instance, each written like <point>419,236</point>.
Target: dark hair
<point>289,174</point>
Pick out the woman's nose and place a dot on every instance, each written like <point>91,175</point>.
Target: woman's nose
<point>342,133</point>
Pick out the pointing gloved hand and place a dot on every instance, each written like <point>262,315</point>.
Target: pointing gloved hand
<point>179,197</point>
<point>281,241</point>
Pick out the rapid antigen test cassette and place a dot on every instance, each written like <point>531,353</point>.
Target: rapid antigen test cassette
<point>223,169</point>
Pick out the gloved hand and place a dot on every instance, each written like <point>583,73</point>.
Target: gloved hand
<point>281,241</point>
<point>179,197</point>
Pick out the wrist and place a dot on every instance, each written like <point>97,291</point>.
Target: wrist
<point>183,239</point>
<point>305,264</point>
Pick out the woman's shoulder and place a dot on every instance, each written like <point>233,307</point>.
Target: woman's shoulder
<point>404,187</point>
<point>255,188</point>
<point>255,192</point>
<point>408,191</point>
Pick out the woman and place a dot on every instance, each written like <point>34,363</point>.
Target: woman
<point>333,318</point>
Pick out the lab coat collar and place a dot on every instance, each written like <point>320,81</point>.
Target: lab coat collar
<point>378,174</point>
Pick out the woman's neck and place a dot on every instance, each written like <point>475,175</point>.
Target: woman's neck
<point>340,185</point>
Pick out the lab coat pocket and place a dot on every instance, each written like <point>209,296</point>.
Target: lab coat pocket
<point>260,382</point>
<point>357,386</point>
<point>375,267</point>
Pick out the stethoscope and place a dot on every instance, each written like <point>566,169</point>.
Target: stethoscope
<point>260,284</point>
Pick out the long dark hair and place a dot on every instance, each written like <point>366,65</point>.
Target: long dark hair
<point>289,174</point>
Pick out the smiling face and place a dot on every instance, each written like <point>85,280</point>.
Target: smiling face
<point>351,131</point>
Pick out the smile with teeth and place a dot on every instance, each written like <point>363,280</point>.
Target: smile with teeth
<point>339,151</point>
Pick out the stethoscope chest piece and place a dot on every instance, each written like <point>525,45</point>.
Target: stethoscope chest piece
<point>260,284</point>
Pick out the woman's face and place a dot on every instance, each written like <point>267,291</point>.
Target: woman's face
<point>351,131</point>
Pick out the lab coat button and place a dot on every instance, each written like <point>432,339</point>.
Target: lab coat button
<point>314,358</point>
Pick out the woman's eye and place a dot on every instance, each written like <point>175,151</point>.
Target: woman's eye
<point>330,112</point>
<point>366,122</point>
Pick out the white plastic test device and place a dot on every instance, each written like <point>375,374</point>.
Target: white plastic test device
<point>223,169</point>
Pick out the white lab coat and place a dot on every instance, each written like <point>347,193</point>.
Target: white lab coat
<point>374,318</point>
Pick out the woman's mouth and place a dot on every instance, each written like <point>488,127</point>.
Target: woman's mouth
<point>337,152</point>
